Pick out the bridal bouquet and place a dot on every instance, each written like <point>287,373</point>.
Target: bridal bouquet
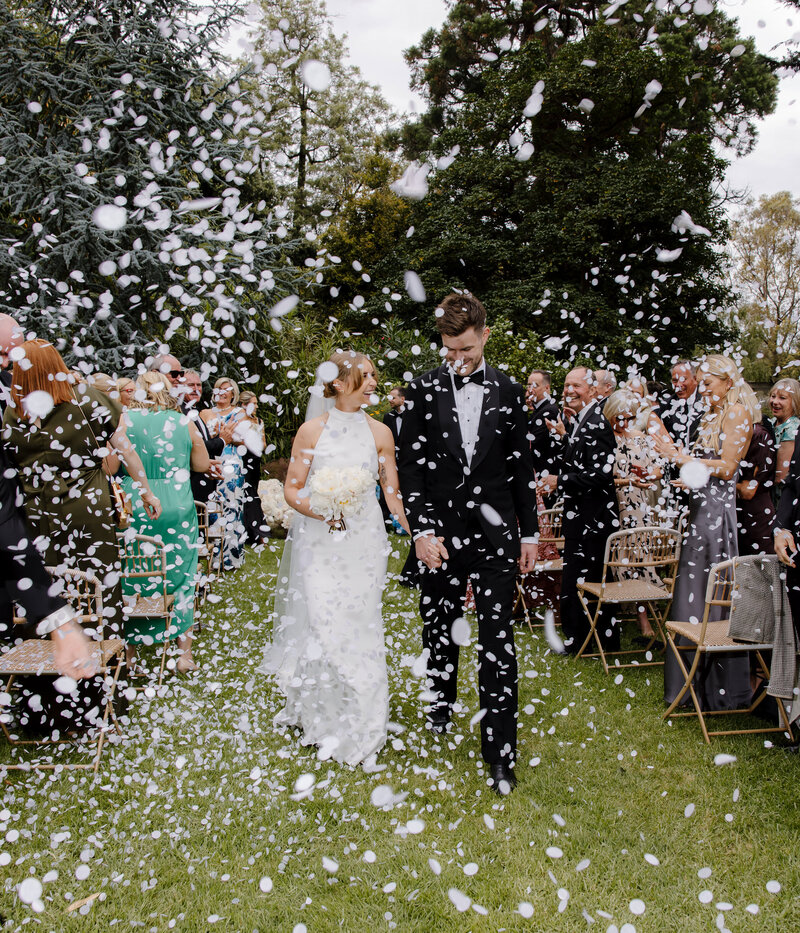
<point>338,494</point>
<point>277,511</point>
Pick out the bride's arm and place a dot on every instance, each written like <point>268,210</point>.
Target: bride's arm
<point>387,473</point>
<point>300,463</point>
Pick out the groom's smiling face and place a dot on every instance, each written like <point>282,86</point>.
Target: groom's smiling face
<point>464,353</point>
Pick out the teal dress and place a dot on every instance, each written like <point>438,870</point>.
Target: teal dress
<point>162,440</point>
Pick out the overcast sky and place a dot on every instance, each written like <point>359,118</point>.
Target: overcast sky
<point>379,30</point>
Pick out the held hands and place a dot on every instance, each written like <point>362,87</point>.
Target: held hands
<point>431,551</point>
<point>785,547</point>
<point>548,483</point>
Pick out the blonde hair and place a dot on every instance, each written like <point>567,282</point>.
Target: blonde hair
<point>245,399</point>
<point>225,381</point>
<point>792,388</point>
<point>739,393</point>
<point>623,400</point>
<point>157,397</point>
<point>350,365</point>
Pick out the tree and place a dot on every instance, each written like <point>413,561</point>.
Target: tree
<point>574,182</point>
<point>320,118</point>
<point>765,244</point>
<point>122,216</point>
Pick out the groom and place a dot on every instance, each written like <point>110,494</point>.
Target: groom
<point>468,488</point>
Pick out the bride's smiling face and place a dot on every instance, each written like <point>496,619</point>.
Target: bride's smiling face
<point>365,393</point>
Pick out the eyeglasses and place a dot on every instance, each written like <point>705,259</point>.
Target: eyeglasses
<point>177,373</point>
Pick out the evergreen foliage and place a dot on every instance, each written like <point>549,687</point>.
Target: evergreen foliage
<point>118,105</point>
<point>579,152</point>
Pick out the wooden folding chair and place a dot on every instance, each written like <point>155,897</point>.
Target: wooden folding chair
<point>144,579</point>
<point>710,637</point>
<point>34,657</point>
<point>550,534</point>
<point>639,569</point>
<point>211,539</point>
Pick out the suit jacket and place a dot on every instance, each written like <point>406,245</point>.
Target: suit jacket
<point>542,449</point>
<point>676,416</point>
<point>202,483</point>
<point>392,420</point>
<point>788,513</point>
<point>586,478</point>
<point>444,494</point>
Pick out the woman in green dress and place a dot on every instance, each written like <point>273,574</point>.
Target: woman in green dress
<point>61,436</point>
<point>170,447</point>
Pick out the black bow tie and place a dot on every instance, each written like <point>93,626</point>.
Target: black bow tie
<point>461,381</point>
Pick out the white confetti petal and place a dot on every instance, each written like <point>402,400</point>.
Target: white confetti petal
<point>110,217</point>
<point>315,74</point>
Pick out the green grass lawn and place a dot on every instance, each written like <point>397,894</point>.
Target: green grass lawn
<point>194,823</point>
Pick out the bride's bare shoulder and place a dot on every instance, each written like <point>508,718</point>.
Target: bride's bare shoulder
<point>309,431</point>
<point>380,431</point>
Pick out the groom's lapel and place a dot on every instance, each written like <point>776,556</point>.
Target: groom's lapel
<point>490,417</point>
<point>448,416</point>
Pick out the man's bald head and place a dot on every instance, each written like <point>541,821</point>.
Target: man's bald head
<point>11,335</point>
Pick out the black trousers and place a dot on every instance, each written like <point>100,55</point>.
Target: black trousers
<point>583,560</point>
<point>23,580</point>
<point>442,602</point>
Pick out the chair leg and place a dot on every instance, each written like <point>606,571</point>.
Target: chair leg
<point>592,631</point>
<point>525,612</point>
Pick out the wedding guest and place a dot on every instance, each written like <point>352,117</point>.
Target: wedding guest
<point>393,418</point>
<point>682,416</point>
<point>253,442</point>
<point>755,513</point>
<point>648,421</point>
<point>636,469</point>
<point>784,402</point>
<point>169,445</point>
<point>61,438</point>
<point>126,388</point>
<point>542,408</point>
<point>605,384</point>
<point>709,473</point>
<point>586,482</point>
<point>221,420</point>
<point>203,484</point>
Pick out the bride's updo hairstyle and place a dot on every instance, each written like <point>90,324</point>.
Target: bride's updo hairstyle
<point>350,366</point>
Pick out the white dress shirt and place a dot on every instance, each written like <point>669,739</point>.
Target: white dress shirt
<point>469,405</point>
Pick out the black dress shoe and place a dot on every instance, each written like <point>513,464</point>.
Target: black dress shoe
<point>438,724</point>
<point>503,780</point>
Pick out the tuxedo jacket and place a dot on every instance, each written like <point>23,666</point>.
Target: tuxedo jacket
<point>202,483</point>
<point>392,420</point>
<point>676,416</point>
<point>444,494</point>
<point>586,478</point>
<point>539,435</point>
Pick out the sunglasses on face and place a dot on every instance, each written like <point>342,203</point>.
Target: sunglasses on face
<point>177,373</point>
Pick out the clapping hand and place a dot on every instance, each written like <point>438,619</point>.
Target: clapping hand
<point>556,427</point>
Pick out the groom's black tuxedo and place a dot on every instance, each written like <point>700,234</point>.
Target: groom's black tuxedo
<point>480,508</point>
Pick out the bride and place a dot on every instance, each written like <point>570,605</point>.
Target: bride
<point>328,654</point>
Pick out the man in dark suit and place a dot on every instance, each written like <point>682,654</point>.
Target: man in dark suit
<point>682,418</point>
<point>468,488</point>
<point>585,480</point>
<point>393,418</point>
<point>542,409</point>
<point>203,484</point>
<point>787,532</point>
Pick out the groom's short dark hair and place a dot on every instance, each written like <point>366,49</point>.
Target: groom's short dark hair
<point>459,312</point>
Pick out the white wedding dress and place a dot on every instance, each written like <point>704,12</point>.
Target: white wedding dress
<point>328,654</point>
